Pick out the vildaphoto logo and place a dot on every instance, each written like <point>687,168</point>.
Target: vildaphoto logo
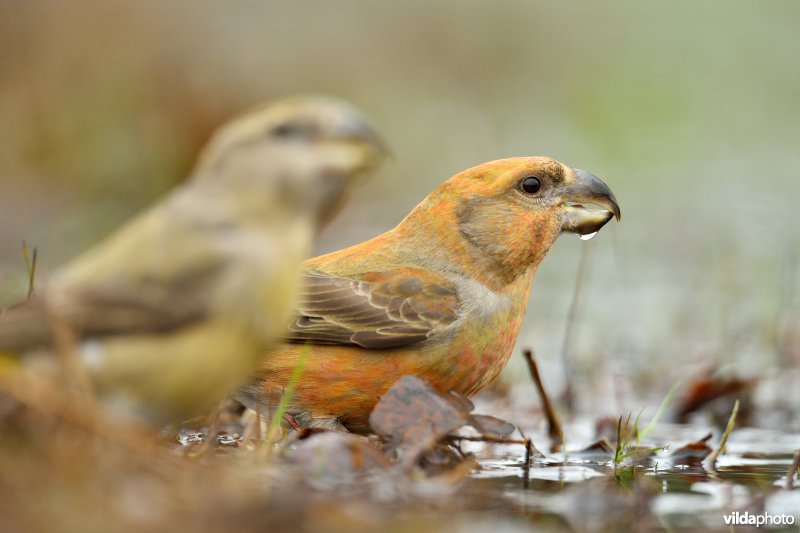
<point>764,519</point>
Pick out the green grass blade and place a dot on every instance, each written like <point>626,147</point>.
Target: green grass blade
<point>637,452</point>
<point>712,457</point>
<point>286,398</point>
<point>661,410</point>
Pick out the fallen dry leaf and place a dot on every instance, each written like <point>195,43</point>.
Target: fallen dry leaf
<point>714,394</point>
<point>692,454</point>
<point>412,417</point>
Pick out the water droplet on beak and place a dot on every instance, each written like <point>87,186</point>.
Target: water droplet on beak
<point>587,236</point>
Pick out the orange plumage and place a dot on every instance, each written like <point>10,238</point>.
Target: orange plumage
<point>441,296</point>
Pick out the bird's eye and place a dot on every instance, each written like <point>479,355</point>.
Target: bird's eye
<point>284,130</point>
<point>531,184</point>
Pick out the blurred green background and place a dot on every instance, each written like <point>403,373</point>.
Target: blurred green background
<point>689,110</point>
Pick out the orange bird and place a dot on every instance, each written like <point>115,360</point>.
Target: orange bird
<point>441,296</point>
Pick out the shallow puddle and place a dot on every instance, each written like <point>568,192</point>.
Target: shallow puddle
<point>585,492</point>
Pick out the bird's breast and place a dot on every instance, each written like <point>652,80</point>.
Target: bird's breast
<point>481,341</point>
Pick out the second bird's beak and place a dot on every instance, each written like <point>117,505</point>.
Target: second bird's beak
<point>587,188</point>
<point>356,129</point>
<point>369,150</point>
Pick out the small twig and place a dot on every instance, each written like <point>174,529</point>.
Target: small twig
<point>712,457</point>
<point>457,447</point>
<point>554,429</point>
<point>31,259</point>
<point>526,470</point>
<point>487,438</point>
<point>572,318</point>
<point>504,440</point>
<point>793,470</point>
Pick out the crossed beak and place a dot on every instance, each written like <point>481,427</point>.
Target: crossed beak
<point>589,189</point>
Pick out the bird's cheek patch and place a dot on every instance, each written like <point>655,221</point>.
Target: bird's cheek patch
<point>532,225</point>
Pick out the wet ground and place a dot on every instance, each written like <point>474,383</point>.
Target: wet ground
<point>676,488</point>
<point>586,491</point>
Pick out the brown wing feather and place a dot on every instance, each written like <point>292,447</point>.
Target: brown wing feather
<point>379,310</point>
<point>23,325</point>
<point>138,306</point>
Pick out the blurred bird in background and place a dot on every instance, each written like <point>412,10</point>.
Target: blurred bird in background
<point>175,310</point>
<point>441,296</point>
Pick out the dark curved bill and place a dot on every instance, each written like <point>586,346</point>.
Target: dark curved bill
<point>587,188</point>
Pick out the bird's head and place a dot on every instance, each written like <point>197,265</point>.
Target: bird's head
<point>507,213</point>
<point>308,149</point>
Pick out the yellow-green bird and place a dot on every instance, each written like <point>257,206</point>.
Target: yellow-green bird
<point>176,308</point>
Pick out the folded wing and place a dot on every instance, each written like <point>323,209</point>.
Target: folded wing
<point>378,310</point>
<point>141,305</point>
